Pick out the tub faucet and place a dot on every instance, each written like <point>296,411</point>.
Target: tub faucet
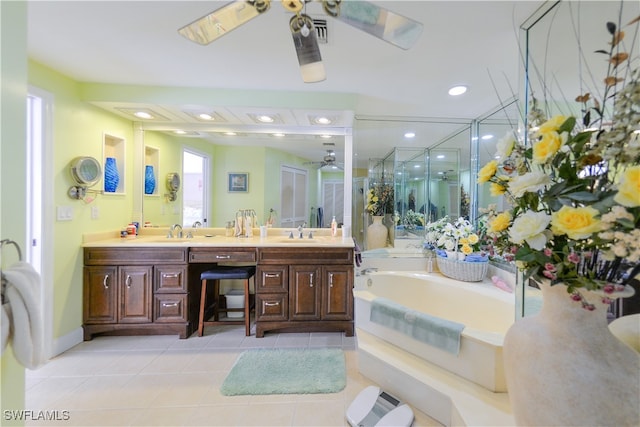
<point>173,229</point>
<point>367,270</point>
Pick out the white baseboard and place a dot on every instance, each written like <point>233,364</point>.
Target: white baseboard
<point>65,342</point>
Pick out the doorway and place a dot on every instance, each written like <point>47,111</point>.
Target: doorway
<point>39,250</point>
<point>195,204</point>
<point>293,183</point>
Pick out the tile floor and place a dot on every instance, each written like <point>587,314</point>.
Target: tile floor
<point>166,381</point>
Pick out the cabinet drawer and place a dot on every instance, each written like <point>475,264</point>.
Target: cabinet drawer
<point>134,256</point>
<point>272,279</point>
<point>170,308</point>
<point>271,307</point>
<point>215,255</point>
<point>170,278</point>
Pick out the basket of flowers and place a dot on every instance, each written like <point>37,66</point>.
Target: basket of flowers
<point>457,251</point>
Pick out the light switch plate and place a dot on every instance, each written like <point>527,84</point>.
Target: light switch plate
<point>65,213</point>
<point>95,212</point>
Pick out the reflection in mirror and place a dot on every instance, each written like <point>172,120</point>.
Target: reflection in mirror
<point>263,163</point>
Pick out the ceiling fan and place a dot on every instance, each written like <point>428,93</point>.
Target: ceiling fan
<point>328,160</point>
<point>444,176</point>
<point>375,20</point>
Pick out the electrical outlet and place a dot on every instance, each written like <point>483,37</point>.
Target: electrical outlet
<point>95,212</point>
<point>65,213</point>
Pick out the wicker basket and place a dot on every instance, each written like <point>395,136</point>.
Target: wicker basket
<point>461,270</point>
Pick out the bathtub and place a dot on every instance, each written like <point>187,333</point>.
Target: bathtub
<point>486,311</point>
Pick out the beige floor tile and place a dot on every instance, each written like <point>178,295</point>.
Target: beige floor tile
<point>329,413</point>
<point>268,414</point>
<point>216,415</point>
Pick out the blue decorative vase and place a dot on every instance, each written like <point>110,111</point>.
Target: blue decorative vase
<point>149,180</point>
<point>111,177</point>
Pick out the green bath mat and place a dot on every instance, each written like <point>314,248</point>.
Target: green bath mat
<point>286,371</point>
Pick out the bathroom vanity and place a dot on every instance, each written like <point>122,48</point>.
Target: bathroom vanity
<point>151,284</point>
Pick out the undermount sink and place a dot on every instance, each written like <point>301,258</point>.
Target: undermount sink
<point>300,241</point>
<point>179,239</point>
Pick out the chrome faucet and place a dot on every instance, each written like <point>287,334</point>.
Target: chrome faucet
<point>300,228</point>
<point>172,229</point>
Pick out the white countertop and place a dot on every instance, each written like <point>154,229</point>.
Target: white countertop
<point>215,237</point>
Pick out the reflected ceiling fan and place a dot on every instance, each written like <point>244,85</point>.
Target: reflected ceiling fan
<point>444,176</point>
<point>328,160</point>
<point>375,20</point>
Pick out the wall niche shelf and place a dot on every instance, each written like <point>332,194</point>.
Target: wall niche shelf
<point>151,160</point>
<point>113,161</point>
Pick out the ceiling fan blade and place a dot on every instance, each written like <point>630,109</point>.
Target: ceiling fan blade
<point>222,20</point>
<point>307,49</point>
<point>391,27</point>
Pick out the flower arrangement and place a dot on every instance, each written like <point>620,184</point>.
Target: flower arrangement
<point>380,200</point>
<point>574,193</point>
<point>457,237</point>
<point>412,220</point>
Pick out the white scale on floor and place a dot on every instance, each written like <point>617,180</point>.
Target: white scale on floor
<point>373,407</point>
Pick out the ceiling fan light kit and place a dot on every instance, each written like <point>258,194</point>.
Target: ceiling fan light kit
<point>379,22</point>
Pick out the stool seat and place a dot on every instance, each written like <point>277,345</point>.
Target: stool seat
<point>223,272</point>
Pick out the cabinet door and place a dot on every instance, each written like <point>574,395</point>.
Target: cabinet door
<point>304,292</point>
<point>100,295</point>
<point>135,294</point>
<point>337,300</point>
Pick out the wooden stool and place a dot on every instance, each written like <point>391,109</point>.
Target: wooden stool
<point>223,272</point>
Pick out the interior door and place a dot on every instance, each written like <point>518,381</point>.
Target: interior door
<point>293,184</point>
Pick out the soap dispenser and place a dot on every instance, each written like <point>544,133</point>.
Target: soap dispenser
<point>334,227</point>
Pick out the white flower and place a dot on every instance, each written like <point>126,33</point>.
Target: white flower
<point>504,147</point>
<point>529,182</point>
<point>530,228</point>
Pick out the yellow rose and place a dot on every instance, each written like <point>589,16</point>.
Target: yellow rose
<point>473,239</point>
<point>548,146</point>
<point>629,189</point>
<point>497,189</point>
<point>576,223</point>
<point>466,249</point>
<point>487,172</point>
<point>499,223</point>
<point>552,125</point>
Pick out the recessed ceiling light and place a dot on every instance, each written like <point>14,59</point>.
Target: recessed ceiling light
<point>265,119</point>
<point>206,116</point>
<point>416,166</point>
<point>457,90</point>
<point>440,156</point>
<point>326,136</point>
<point>230,133</point>
<point>179,132</point>
<point>410,135</point>
<point>143,115</point>
<point>322,120</point>
<point>278,135</point>
<point>486,137</point>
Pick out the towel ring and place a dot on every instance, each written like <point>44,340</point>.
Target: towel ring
<point>4,281</point>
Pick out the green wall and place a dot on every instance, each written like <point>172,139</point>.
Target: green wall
<point>13,100</point>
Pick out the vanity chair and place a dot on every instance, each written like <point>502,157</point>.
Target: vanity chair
<point>214,276</point>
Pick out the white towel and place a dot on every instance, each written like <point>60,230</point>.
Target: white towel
<point>22,294</point>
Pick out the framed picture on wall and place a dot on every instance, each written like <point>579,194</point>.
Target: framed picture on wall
<point>238,182</point>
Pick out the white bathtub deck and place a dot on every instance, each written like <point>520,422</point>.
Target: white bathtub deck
<point>446,397</point>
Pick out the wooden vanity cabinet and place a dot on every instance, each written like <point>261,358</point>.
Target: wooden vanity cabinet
<point>304,289</point>
<point>132,291</point>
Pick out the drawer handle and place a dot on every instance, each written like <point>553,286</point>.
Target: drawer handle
<point>272,304</point>
<point>105,281</point>
<point>169,304</point>
<point>272,275</point>
<point>331,280</point>
<point>170,275</point>
<point>223,256</point>
<point>127,281</point>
